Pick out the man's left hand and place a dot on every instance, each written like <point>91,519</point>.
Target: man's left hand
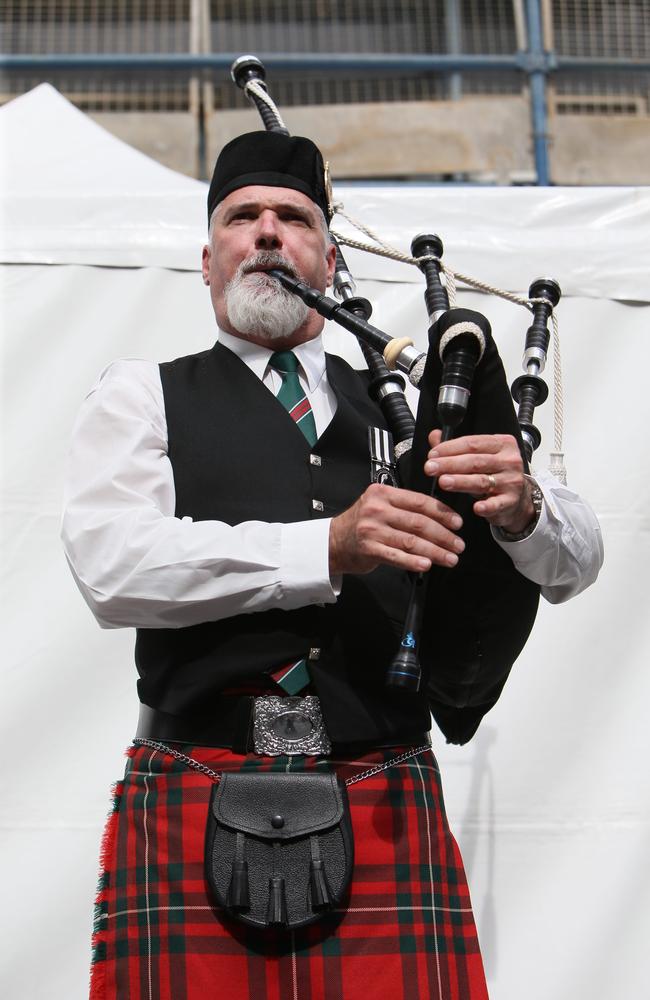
<point>488,467</point>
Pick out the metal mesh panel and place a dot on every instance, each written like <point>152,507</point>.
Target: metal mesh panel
<point>266,26</point>
<point>364,26</point>
<point>487,28</point>
<point>327,26</point>
<point>617,29</point>
<point>42,27</point>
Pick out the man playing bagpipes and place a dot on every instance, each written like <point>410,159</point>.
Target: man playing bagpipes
<point>280,831</point>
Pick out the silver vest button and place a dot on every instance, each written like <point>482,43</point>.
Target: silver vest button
<point>317,504</point>
<point>315,460</point>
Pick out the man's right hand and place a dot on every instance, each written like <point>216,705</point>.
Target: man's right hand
<point>397,528</point>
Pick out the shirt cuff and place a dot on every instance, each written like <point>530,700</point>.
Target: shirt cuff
<point>305,561</point>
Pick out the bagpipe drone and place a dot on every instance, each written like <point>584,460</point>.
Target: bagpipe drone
<point>462,387</point>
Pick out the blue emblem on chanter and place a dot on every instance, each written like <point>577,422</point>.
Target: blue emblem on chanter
<point>409,640</point>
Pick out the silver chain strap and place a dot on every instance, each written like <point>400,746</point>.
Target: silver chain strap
<point>389,763</point>
<point>196,765</point>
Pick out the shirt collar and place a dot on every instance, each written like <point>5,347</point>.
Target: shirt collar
<point>311,356</point>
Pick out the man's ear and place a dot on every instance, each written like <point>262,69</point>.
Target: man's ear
<point>331,263</point>
<point>205,264</point>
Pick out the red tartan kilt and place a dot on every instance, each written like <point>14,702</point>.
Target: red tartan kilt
<point>408,932</point>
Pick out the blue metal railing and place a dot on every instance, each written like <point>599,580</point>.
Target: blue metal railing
<point>527,62</point>
<point>537,81</point>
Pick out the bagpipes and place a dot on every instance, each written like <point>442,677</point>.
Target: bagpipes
<point>460,343</point>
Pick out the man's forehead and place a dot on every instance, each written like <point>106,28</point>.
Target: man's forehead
<point>261,196</point>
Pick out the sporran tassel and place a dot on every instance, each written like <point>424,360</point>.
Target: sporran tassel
<point>276,915</point>
<point>238,894</point>
<point>320,893</point>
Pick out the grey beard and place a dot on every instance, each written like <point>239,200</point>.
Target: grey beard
<point>258,305</point>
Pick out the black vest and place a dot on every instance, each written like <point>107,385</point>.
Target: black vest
<point>237,456</point>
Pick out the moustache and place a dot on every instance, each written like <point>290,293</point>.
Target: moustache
<point>264,260</point>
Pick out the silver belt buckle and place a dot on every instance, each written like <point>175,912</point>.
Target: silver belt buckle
<point>289,726</point>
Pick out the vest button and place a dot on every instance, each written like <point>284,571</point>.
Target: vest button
<point>277,822</point>
<point>315,460</point>
<point>317,504</point>
<point>314,653</point>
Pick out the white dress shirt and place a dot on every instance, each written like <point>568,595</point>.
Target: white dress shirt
<point>137,564</point>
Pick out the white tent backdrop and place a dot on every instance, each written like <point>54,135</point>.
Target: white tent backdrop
<point>100,252</point>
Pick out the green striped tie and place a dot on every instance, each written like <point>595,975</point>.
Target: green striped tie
<point>291,394</point>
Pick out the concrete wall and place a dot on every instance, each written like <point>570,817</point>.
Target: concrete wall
<point>600,149</point>
<point>487,138</point>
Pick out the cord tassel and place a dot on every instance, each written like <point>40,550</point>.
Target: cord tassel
<point>320,891</point>
<point>321,895</point>
<point>238,894</point>
<point>276,915</point>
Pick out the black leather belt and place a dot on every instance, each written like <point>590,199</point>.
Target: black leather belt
<point>231,726</point>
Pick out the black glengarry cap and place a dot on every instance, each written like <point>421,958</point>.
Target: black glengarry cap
<point>273,160</point>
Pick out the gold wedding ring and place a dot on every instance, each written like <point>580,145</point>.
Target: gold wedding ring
<point>492,484</point>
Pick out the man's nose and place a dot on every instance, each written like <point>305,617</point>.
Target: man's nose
<point>268,233</point>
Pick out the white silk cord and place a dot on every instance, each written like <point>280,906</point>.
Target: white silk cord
<point>256,88</point>
<point>383,249</point>
<point>556,465</point>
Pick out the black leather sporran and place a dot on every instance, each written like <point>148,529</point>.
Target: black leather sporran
<point>279,847</point>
